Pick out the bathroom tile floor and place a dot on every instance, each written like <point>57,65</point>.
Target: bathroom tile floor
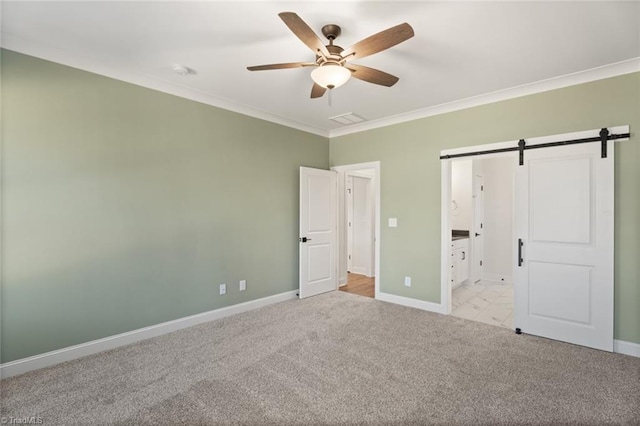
<point>490,302</point>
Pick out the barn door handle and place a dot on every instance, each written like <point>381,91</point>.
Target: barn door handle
<point>520,244</point>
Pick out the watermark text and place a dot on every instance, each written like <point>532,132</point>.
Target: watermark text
<point>28,420</point>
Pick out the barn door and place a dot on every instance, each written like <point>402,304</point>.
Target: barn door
<point>564,228</point>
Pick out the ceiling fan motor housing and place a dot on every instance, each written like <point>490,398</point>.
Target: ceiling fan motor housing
<point>335,55</point>
<point>331,31</point>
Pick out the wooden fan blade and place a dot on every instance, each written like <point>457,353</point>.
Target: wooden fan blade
<point>380,41</point>
<point>372,75</point>
<point>317,91</point>
<point>303,32</point>
<point>281,66</point>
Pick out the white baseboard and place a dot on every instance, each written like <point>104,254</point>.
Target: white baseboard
<point>412,303</point>
<point>47,359</point>
<point>497,277</point>
<point>619,346</point>
<point>453,287</point>
<point>626,348</point>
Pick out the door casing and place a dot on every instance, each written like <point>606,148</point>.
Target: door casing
<point>477,227</point>
<point>342,259</point>
<point>445,202</point>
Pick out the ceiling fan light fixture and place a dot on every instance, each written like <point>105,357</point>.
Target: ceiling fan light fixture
<point>330,75</point>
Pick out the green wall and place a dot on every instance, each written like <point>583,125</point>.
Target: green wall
<point>125,207</point>
<point>410,179</point>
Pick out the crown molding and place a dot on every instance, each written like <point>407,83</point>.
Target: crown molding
<point>612,70</point>
<point>63,57</point>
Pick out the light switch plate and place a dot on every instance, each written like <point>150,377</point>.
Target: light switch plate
<point>393,222</point>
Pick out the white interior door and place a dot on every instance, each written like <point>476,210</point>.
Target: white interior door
<point>349,221</point>
<point>360,222</point>
<point>477,231</point>
<point>564,217</point>
<point>318,230</point>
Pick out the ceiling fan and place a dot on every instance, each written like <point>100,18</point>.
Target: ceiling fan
<point>333,70</point>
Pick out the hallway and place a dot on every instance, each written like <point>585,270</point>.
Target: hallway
<point>360,285</point>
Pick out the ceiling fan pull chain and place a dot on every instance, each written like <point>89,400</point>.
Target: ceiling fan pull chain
<point>330,103</point>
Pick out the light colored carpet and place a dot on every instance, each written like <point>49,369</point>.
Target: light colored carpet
<point>336,358</point>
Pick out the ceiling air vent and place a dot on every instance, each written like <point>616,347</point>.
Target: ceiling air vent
<point>348,118</point>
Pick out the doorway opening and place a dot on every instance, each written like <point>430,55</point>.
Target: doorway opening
<point>561,233</point>
<point>481,233</point>
<point>359,228</point>
<point>359,284</point>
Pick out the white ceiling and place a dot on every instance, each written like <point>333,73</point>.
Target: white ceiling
<point>461,50</point>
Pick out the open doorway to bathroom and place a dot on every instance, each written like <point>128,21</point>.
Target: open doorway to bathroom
<point>481,221</point>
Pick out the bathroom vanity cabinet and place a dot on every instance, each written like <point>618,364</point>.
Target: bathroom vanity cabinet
<point>459,261</point>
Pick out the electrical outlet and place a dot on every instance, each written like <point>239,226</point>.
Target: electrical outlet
<point>223,288</point>
<point>407,281</point>
<point>243,285</point>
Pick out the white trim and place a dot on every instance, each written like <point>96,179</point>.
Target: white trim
<point>70,353</point>
<point>445,237</point>
<point>619,346</point>
<point>606,71</point>
<point>460,284</point>
<point>412,303</point>
<point>626,348</point>
<point>47,359</point>
<point>375,165</point>
<point>497,278</point>
<point>63,57</point>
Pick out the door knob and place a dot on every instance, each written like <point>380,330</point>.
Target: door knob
<point>304,239</point>
<point>477,235</point>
